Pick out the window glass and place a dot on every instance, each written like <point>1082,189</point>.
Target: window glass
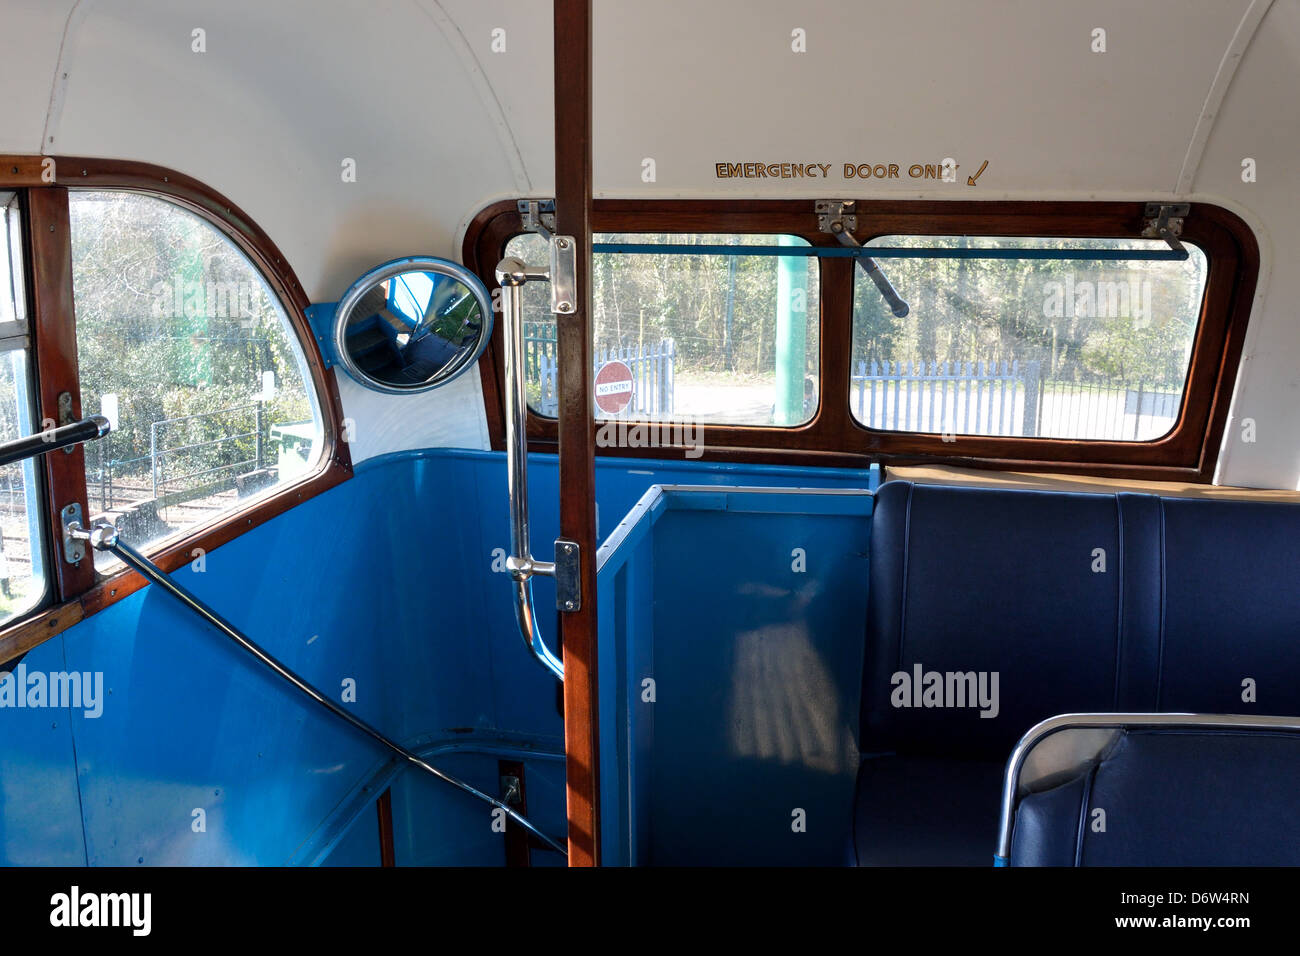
<point>723,339</point>
<point>1052,347</point>
<point>183,346</point>
<point>22,561</point>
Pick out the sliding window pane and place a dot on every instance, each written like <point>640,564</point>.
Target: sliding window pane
<point>1046,346</point>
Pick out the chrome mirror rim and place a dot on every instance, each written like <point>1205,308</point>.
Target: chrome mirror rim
<point>388,270</point>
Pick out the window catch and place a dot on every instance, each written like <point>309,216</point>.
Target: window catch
<point>1165,221</point>
<point>538,216</point>
<point>839,218</point>
<point>836,216</point>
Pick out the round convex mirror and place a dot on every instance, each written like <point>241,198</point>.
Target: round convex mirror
<point>412,324</point>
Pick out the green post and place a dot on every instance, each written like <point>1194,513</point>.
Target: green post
<point>791,335</point>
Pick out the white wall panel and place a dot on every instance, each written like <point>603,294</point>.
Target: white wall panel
<point>439,124</point>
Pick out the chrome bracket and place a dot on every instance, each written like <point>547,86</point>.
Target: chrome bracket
<point>538,216</point>
<point>836,212</point>
<point>1165,221</point>
<point>74,548</point>
<point>511,790</point>
<point>564,275</point>
<point>568,575</point>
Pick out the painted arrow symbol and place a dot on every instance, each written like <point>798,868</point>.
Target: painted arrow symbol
<point>970,180</point>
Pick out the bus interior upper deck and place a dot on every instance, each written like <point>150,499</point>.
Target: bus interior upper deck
<point>527,434</point>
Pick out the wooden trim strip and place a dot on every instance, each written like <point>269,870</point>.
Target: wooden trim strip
<point>518,841</point>
<point>1189,452</point>
<point>18,639</point>
<point>577,438</point>
<point>384,810</point>
<point>52,311</point>
<point>54,352</point>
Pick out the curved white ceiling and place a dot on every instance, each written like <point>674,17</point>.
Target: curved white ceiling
<point>439,123</point>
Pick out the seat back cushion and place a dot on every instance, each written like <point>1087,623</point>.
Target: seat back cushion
<point>1231,607</point>
<point>1009,597</point>
<point>1172,798</point>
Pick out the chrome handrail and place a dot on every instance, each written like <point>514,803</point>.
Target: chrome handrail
<point>511,274</point>
<point>1036,734</point>
<point>102,536</point>
<point>52,439</point>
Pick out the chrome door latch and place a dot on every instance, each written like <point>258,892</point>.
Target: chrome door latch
<point>568,575</point>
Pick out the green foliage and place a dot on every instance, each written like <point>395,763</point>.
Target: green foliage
<point>721,311</point>
<point>174,321</point>
<point>1130,322</point>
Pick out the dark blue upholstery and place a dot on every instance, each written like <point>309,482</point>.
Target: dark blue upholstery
<point>1172,798</point>
<point>1232,606</point>
<point>966,579</point>
<point>1197,595</point>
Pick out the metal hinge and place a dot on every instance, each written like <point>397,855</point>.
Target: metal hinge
<point>1165,221</point>
<point>568,575</point>
<point>538,216</point>
<point>836,216</point>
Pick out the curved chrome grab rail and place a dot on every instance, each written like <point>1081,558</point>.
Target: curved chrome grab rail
<point>511,275</point>
<point>103,537</point>
<point>1116,721</point>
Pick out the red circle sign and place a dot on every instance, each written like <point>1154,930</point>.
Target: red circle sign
<point>613,387</point>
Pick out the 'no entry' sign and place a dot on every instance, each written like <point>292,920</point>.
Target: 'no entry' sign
<point>613,387</point>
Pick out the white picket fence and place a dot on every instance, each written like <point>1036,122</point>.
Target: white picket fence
<point>966,398</point>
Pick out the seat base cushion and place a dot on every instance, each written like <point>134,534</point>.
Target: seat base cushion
<point>927,811</point>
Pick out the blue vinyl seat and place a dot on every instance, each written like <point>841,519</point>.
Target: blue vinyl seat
<point>1168,796</point>
<point>1059,602</point>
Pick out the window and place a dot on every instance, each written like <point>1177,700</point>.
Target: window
<point>1136,349</point>
<point>22,563</point>
<point>711,339</point>
<point>1046,346</point>
<point>184,348</point>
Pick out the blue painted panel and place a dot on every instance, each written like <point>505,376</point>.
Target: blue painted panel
<point>40,813</point>
<point>192,722</point>
<point>360,845</point>
<point>386,580</point>
<point>755,649</point>
<point>436,826</point>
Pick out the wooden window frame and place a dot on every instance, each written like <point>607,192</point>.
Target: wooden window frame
<point>833,437</point>
<point>79,592</point>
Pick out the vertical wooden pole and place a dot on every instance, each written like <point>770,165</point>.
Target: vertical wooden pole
<point>573,200</point>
